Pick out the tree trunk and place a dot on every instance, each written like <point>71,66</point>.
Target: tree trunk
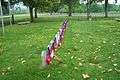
<point>50,12</point>
<point>31,14</point>
<point>36,13</point>
<point>13,19</point>
<point>88,9</point>
<point>106,8</point>
<point>70,10</point>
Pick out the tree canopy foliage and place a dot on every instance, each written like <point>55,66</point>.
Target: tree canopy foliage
<point>68,6</point>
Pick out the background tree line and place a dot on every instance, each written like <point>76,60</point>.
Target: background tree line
<point>67,6</point>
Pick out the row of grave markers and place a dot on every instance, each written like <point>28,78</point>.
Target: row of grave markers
<point>54,44</point>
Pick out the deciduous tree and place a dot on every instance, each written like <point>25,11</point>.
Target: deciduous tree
<point>70,4</point>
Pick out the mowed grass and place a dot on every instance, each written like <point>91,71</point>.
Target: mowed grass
<point>89,47</point>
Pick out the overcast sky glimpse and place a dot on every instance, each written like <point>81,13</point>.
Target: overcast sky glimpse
<point>113,1</point>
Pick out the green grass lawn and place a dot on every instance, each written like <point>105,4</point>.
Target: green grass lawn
<point>89,47</point>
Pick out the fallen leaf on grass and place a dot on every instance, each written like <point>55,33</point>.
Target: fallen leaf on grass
<point>82,60</point>
<point>85,76</point>
<point>113,54</point>
<point>80,64</point>
<point>79,58</point>
<point>81,41</point>
<point>3,73</point>
<point>99,66</point>
<point>98,49</point>
<point>109,70</point>
<point>25,35</point>
<point>95,57</point>
<point>48,75</point>
<point>103,71</point>
<point>73,79</point>
<point>114,64</point>
<point>72,57</point>
<point>91,64</point>
<point>75,68</point>
<point>114,44</point>
<point>95,52</point>
<point>101,79</point>
<point>113,60</point>
<point>66,53</point>
<point>9,68</point>
<point>30,45</point>
<point>69,53</point>
<point>59,72</point>
<point>104,42</point>
<point>99,46</point>
<point>117,70</point>
<point>109,57</point>
<point>23,61</point>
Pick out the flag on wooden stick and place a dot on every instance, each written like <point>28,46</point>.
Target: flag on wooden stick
<point>48,55</point>
<point>43,57</point>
